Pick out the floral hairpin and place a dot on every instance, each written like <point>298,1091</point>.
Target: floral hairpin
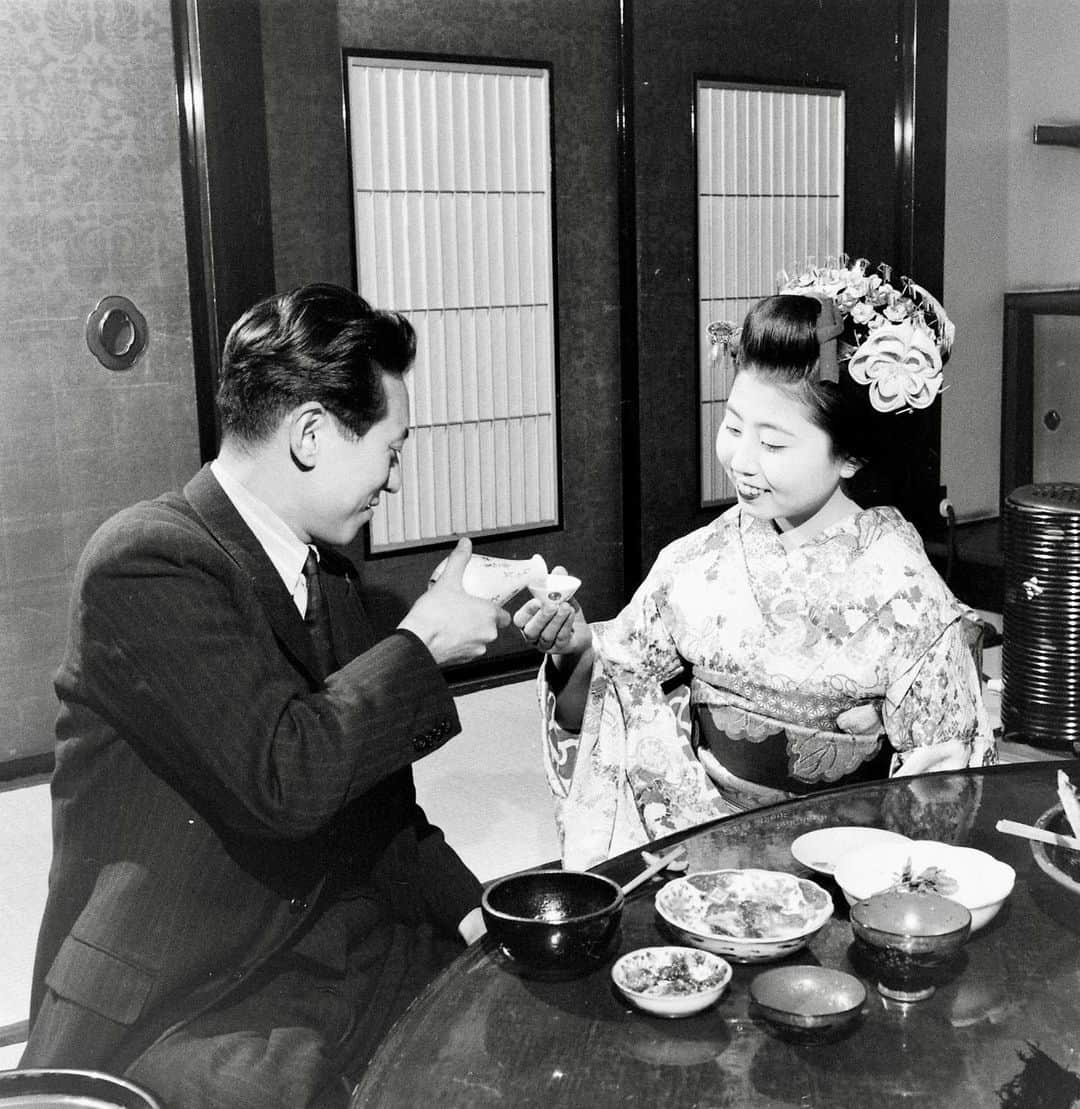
<point>895,341</point>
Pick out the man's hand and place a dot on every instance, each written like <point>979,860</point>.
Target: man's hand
<point>454,625</point>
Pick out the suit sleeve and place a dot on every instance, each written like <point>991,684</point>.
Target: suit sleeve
<point>176,652</point>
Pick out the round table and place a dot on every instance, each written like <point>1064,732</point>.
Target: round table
<point>1003,1029</point>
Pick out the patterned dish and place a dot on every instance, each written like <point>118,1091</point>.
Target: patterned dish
<point>671,981</point>
<point>749,916</point>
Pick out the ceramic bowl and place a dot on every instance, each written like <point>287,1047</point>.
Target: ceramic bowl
<point>975,879</point>
<point>906,937</point>
<point>748,916</point>
<point>807,1001</point>
<point>671,981</point>
<point>1060,863</point>
<point>823,848</point>
<point>71,1089</point>
<point>497,579</point>
<point>553,923</point>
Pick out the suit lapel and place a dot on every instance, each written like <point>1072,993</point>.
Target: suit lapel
<point>225,524</point>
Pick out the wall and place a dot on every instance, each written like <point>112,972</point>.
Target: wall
<point>1011,209</point>
<point>311,209</point>
<point>90,205</point>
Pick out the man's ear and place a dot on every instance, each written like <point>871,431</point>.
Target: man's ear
<point>307,423</point>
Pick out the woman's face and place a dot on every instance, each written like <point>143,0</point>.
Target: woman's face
<point>781,463</point>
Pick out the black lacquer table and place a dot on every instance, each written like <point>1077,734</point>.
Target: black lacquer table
<point>1002,1029</point>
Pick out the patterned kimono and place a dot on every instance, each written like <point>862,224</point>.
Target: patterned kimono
<point>719,686</point>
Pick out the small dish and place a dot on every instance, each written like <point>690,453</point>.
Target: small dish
<point>748,916</point>
<point>807,1001</point>
<point>671,981</point>
<point>823,848</point>
<point>971,877</point>
<point>906,936</point>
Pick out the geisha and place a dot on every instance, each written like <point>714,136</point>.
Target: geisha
<point>798,642</point>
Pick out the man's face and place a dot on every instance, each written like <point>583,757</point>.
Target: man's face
<point>350,473</point>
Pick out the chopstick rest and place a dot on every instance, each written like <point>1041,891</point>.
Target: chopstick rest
<point>1029,831</point>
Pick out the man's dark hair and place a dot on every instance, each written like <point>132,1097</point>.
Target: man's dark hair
<point>316,343</point>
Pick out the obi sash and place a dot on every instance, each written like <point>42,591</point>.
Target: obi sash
<point>788,758</point>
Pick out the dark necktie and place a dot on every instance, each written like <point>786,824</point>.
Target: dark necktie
<point>317,616</point>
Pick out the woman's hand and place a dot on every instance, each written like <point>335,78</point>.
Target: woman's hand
<point>861,720</point>
<point>952,755</point>
<point>555,628</point>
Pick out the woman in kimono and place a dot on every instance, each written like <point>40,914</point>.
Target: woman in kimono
<point>797,643</point>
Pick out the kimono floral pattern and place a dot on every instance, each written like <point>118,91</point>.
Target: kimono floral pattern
<point>765,640</point>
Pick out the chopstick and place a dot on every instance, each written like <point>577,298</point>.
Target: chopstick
<point>1028,831</point>
<point>653,868</point>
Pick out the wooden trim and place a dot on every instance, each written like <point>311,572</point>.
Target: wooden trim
<point>630,391</point>
<point>225,176</point>
<point>14,1033</point>
<point>15,772</point>
<point>201,292</point>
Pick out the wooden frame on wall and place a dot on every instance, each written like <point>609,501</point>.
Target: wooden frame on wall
<point>451,175</point>
<point>1018,376</point>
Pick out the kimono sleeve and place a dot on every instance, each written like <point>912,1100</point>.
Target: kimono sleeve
<point>938,703</point>
<point>630,775</point>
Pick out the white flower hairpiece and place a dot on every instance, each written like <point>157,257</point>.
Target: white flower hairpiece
<point>895,341</point>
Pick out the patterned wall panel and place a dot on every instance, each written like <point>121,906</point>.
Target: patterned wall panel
<point>90,205</point>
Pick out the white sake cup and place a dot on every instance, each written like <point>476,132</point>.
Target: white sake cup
<point>555,587</point>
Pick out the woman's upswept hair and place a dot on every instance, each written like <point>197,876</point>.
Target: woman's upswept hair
<point>779,344</point>
<point>315,343</point>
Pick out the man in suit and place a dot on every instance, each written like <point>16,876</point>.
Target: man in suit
<point>244,892</point>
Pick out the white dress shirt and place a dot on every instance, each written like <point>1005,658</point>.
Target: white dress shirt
<point>275,536</point>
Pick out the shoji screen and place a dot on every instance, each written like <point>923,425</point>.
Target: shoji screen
<point>770,198</point>
<point>451,177</point>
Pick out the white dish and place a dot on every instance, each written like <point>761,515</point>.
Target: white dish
<point>974,878</point>
<point>823,848</point>
<point>671,981</point>
<point>748,915</point>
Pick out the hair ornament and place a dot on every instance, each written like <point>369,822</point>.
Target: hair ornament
<point>894,341</point>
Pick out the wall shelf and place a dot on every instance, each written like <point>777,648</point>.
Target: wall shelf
<point>1056,134</point>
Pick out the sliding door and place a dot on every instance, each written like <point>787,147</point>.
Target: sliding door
<point>764,136</point>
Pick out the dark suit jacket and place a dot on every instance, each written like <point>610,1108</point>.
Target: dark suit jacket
<point>207,782</point>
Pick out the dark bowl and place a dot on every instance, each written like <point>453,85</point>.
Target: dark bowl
<point>1060,863</point>
<point>906,936</point>
<point>554,923</point>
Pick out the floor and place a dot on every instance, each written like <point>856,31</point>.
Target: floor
<point>485,789</point>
